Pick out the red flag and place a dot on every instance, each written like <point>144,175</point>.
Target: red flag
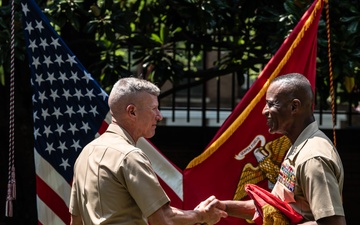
<point>271,208</point>
<point>243,151</point>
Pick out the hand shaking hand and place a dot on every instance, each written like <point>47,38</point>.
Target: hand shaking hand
<point>211,210</point>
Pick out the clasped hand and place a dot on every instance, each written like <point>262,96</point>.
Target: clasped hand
<point>211,210</point>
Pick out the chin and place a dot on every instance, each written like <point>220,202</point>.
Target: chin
<point>272,131</point>
<point>150,135</point>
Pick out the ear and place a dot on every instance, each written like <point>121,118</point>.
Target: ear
<point>130,109</point>
<point>295,105</point>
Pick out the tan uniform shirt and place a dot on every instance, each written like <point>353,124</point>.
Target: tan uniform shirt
<point>311,177</point>
<point>114,182</point>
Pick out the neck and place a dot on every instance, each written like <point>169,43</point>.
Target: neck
<point>296,131</point>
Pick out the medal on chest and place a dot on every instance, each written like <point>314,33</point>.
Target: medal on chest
<point>287,175</point>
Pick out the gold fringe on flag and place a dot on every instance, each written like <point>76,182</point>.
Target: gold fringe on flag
<point>273,216</point>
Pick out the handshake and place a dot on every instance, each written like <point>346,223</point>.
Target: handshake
<point>211,211</point>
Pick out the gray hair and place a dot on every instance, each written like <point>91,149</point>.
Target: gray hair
<point>128,88</point>
<point>296,85</point>
<point>294,79</point>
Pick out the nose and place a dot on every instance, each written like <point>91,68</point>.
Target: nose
<point>265,110</point>
<point>159,116</point>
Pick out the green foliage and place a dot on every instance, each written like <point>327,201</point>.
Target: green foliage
<point>5,33</point>
<point>345,48</point>
<point>164,39</point>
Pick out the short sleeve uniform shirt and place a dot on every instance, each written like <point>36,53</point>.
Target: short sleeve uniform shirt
<point>311,177</point>
<point>114,182</point>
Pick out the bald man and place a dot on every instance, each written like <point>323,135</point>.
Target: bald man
<point>311,176</point>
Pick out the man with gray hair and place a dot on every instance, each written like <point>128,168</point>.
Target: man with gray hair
<point>114,182</point>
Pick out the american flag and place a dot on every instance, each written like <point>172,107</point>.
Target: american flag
<point>69,110</point>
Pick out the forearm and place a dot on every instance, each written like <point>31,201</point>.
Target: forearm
<point>170,215</point>
<point>208,211</point>
<point>178,216</point>
<point>240,209</point>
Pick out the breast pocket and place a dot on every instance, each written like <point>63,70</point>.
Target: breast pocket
<point>283,193</point>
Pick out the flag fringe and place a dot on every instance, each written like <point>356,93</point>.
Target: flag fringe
<point>9,208</point>
<point>274,216</point>
<point>241,118</point>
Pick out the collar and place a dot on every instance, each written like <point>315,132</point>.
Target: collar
<point>114,128</point>
<point>301,140</point>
